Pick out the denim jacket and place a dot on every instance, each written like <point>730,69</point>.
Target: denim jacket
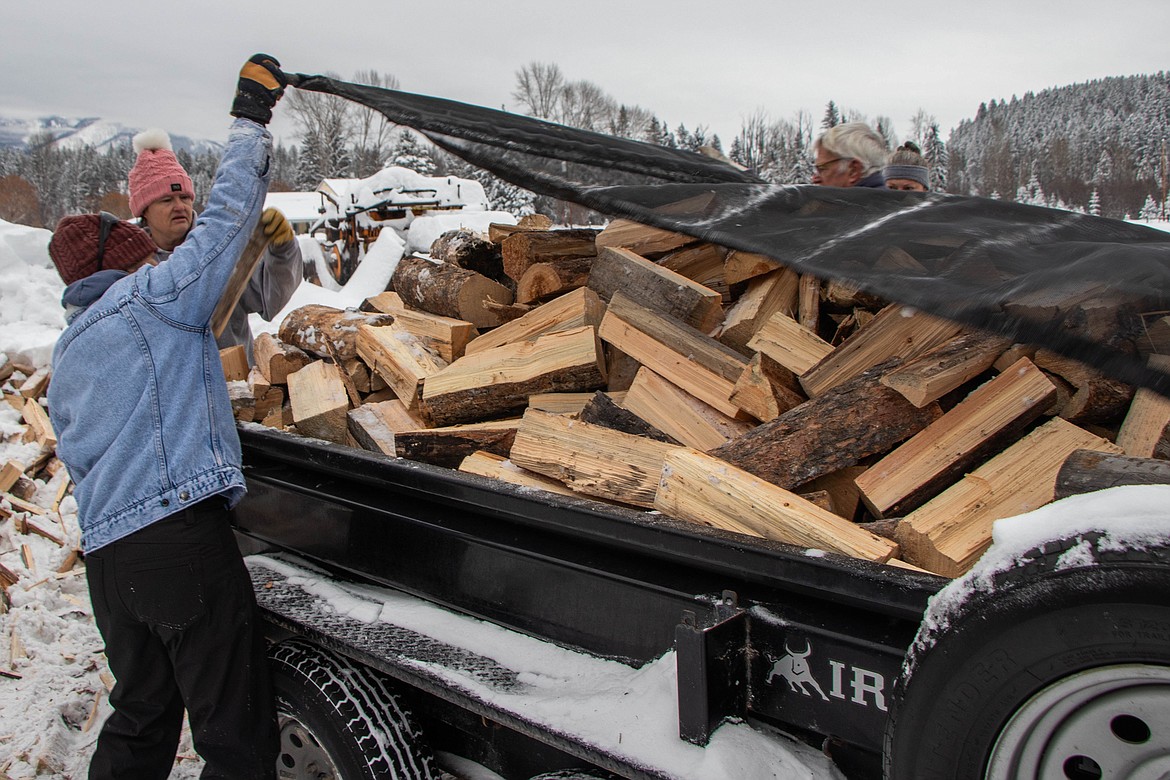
<point>138,399</point>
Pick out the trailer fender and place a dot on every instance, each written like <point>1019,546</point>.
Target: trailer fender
<point>1058,666</point>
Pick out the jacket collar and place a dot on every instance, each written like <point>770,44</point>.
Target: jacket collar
<point>84,292</point>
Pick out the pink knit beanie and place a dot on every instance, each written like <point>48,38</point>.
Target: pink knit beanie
<point>156,172</point>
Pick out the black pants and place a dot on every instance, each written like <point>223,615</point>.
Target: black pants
<point>175,607</point>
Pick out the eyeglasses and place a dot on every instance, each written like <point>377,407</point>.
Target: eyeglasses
<point>822,167</point>
<point>107,223</point>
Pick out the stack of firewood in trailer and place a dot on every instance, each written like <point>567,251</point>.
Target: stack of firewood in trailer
<point>645,368</point>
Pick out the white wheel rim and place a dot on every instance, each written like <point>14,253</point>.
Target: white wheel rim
<point>1112,722</point>
<point>301,755</point>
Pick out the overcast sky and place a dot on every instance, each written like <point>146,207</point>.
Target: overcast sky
<point>174,65</point>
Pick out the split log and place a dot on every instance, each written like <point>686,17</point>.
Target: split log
<point>703,489</point>
<point>242,401</point>
<point>266,397</point>
<point>1082,307</point>
<point>790,344</point>
<point>895,258</point>
<point>319,401</point>
<point>766,389</point>
<point>235,363</point>
<point>1145,431</point>
<point>986,421</point>
<point>809,302</point>
<point>449,291</point>
<point>1156,337</point>
<point>465,248</point>
<point>497,231</point>
<point>590,459</point>
<point>276,360</point>
<point>853,421</point>
<point>896,332</point>
<point>620,369</point>
<point>571,310</point>
<point>1098,398</point>
<point>604,411</point>
<point>498,467</point>
<point>400,358</point>
<point>310,327</point>
<point>499,380</point>
<point>765,295</point>
<point>556,277</point>
<point>679,414</point>
<point>701,263</point>
<point>524,249</point>
<point>1085,471</point>
<point>10,474</point>
<point>683,355</point>
<point>949,533</point>
<point>447,336</point>
<point>568,403</point>
<point>447,447</point>
<point>658,289</point>
<point>938,371</point>
<point>842,488</point>
<point>374,425</point>
<point>649,242</point>
<point>741,266</point>
<point>840,294</point>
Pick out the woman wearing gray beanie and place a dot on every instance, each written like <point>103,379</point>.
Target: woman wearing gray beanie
<point>906,169</point>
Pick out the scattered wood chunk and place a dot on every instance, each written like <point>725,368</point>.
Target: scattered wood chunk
<point>766,389</point>
<point>590,459</point>
<point>36,384</point>
<point>499,380</point>
<point>446,336</point>
<point>449,291</point>
<point>309,327</point>
<point>703,489</point>
<point>990,418</point>
<point>1145,431</point>
<point>938,371</point>
<point>487,464</point>
<point>10,474</point>
<point>790,344</point>
<point>235,363</point>
<point>765,295</point>
<point>656,288</point>
<point>679,414</point>
<point>448,446</point>
<point>690,359</point>
<point>1085,471</point>
<point>897,331</point>
<point>7,577</point>
<point>401,359</point>
<point>569,311</point>
<point>948,533</point>
<point>859,418</point>
<point>319,401</point>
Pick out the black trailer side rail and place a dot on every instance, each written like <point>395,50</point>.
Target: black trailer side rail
<point>763,630</point>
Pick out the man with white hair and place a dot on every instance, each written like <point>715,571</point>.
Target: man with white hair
<point>850,155</point>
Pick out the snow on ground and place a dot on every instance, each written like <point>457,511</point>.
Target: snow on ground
<point>54,679</point>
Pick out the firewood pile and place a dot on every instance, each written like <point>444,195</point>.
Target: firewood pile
<point>648,369</point>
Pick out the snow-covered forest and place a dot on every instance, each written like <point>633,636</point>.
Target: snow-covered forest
<point>1097,147</point>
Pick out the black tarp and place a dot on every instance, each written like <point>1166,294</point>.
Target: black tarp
<point>1075,283</point>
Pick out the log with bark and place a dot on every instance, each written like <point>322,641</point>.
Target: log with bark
<point>655,288</point>
<point>1085,471</point>
<point>449,291</point>
<point>310,327</point>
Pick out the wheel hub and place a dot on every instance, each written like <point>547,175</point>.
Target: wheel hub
<point>301,755</point>
<point>1107,723</point>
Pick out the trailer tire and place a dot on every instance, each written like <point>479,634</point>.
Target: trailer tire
<point>340,720</point>
<point>1053,654</point>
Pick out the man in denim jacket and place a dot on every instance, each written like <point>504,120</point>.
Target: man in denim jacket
<point>144,425</point>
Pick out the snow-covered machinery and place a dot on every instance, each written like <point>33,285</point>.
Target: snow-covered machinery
<point>355,211</point>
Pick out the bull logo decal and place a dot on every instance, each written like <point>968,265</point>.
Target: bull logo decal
<point>793,667</point>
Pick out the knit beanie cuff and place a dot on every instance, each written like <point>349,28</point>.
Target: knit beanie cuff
<point>912,172</point>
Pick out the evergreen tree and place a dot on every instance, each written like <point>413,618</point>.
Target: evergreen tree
<point>1150,209</point>
<point>832,117</point>
<point>1095,204</point>
<point>410,153</point>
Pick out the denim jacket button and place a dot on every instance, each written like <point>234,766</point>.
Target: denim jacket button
<point>166,502</point>
<point>184,496</point>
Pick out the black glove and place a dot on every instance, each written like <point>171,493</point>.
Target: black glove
<point>261,84</point>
